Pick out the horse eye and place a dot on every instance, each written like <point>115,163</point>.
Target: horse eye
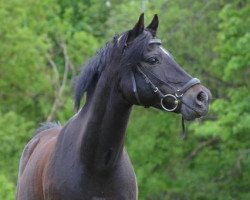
<point>152,60</point>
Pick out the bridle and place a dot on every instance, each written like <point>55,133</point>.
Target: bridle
<point>177,92</point>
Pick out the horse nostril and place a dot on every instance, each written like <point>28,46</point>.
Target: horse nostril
<point>202,97</point>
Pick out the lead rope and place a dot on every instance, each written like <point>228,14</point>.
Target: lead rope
<point>184,134</point>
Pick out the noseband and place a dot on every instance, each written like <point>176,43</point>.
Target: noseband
<point>177,94</point>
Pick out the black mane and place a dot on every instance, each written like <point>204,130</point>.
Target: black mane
<point>90,73</point>
<point>129,53</point>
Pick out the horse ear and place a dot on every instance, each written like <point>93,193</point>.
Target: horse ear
<point>153,26</point>
<point>138,28</point>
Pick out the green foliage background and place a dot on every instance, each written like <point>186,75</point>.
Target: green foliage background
<point>210,38</point>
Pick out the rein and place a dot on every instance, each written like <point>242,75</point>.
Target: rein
<point>176,96</point>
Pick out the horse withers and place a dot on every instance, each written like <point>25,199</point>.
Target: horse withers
<point>85,159</point>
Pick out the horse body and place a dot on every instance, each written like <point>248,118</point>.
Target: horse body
<point>45,169</point>
<point>86,159</point>
<point>101,171</point>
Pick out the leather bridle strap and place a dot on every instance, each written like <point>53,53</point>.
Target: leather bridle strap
<point>177,93</point>
<point>177,96</point>
<point>188,85</point>
<point>135,88</point>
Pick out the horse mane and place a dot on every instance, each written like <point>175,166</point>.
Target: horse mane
<point>131,55</point>
<point>90,74</point>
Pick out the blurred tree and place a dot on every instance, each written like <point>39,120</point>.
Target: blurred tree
<point>7,188</point>
<point>41,50</point>
<point>14,131</point>
<point>230,161</point>
<point>44,43</point>
<point>22,73</point>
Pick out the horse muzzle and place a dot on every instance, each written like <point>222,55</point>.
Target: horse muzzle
<point>195,102</point>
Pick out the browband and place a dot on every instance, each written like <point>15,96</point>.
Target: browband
<point>155,41</point>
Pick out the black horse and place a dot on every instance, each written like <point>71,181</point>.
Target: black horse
<point>86,159</point>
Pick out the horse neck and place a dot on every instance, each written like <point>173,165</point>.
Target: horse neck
<point>105,121</point>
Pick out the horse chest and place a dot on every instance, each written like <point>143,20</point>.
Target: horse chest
<point>120,184</point>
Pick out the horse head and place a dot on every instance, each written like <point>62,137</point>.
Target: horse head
<point>150,76</point>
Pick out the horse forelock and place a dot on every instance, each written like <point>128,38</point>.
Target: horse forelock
<point>135,50</point>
